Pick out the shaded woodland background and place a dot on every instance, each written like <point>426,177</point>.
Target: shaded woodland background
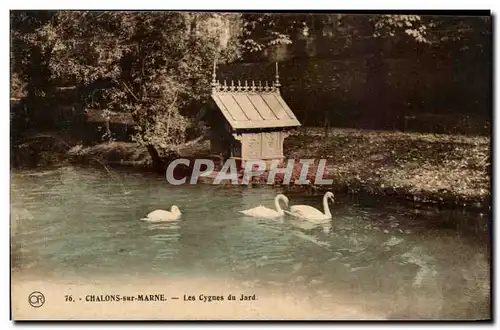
<point>144,76</point>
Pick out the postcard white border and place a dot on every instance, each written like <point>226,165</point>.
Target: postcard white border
<point>209,5</point>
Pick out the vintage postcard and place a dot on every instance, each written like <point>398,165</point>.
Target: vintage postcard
<point>181,165</point>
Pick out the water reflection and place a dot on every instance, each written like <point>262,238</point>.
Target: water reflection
<point>306,225</point>
<point>409,264</point>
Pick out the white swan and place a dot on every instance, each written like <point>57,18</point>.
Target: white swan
<point>161,215</point>
<point>264,212</point>
<point>312,214</point>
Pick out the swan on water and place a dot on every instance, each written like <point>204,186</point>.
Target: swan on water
<point>264,212</point>
<point>161,215</point>
<point>312,214</point>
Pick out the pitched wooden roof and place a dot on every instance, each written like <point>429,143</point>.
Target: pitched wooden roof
<point>253,105</point>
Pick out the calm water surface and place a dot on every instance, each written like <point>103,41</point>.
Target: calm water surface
<point>407,263</point>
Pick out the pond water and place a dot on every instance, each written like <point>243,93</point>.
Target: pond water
<point>397,261</point>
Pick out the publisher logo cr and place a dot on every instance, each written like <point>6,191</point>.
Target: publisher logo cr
<point>36,299</point>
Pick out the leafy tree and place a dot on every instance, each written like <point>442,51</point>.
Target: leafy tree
<point>30,76</point>
<point>336,34</point>
<point>267,30</point>
<point>152,65</point>
<point>463,40</point>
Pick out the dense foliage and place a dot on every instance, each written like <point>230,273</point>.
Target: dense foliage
<point>153,65</point>
<point>457,48</point>
<point>156,66</point>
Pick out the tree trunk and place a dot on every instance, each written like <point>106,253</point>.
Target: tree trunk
<point>158,163</point>
<point>326,125</point>
<point>108,135</point>
<point>374,114</point>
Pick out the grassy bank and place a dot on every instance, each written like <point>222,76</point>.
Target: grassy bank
<point>448,170</point>
<point>424,168</point>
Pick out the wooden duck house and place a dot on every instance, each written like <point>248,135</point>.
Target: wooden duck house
<point>251,120</point>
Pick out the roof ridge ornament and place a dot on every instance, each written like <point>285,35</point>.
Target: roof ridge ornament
<point>276,83</point>
<point>214,83</point>
<point>218,86</point>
